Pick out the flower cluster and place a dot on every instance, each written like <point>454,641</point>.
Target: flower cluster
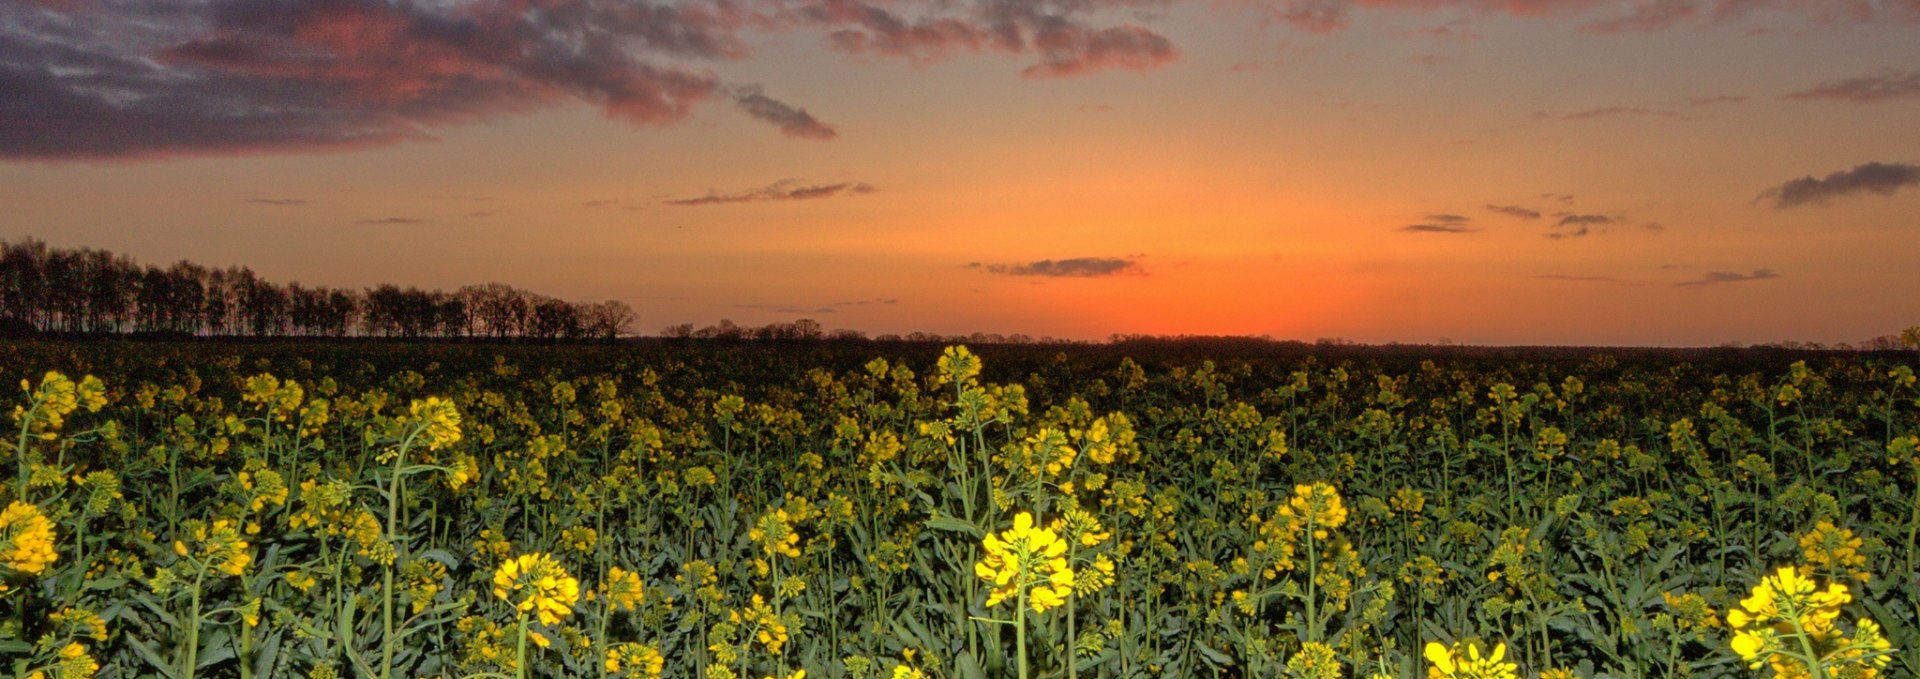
<point>1454,663</point>
<point>26,540</point>
<point>439,421</point>
<point>537,584</point>
<point>623,589</point>
<point>1319,506</point>
<point>1025,560</point>
<point>1790,624</point>
<point>217,546</point>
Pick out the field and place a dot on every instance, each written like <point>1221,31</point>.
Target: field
<point>711,510</point>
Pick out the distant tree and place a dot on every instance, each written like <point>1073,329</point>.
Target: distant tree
<point>455,319</point>
<point>677,331</point>
<point>498,309</point>
<point>724,330</point>
<point>555,319</point>
<point>23,291</point>
<point>607,320</point>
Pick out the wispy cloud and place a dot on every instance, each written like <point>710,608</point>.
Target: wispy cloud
<point>1441,223</point>
<point>1515,211</point>
<point>793,121</point>
<point>1581,279</point>
<point>1609,112</point>
<point>1883,86</point>
<point>1712,100</point>
<point>1876,178</point>
<point>1077,267</point>
<point>1574,225</point>
<point>790,189</point>
<point>279,201</point>
<point>1721,277</point>
<point>396,221</point>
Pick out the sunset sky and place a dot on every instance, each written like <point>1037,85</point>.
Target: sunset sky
<point>1619,172</point>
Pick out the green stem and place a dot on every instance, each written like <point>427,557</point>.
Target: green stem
<point>520,651</point>
<point>190,655</point>
<point>1020,633</point>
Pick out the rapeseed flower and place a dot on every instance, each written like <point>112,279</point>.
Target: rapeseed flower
<point>637,661</point>
<point>537,584</point>
<point>1026,560</point>
<point>440,421</point>
<point>1453,663</point>
<point>1788,622</point>
<point>624,589</point>
<point>26,540</point>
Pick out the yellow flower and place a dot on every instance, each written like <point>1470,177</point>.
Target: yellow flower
<point>1320,505</point>
<point>439,420</point>
<point>1314,661</point>
<point>537,584</point>
<point>629,659</point>
<point>76,662</point>
<point>26,539</point>
<point>1451,663</point>
<point>624,589</point>
<point>1029,560</point>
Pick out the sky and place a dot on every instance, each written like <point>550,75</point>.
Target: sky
<point>1569,172</point>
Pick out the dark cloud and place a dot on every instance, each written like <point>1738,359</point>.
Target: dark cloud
<point>790,189</point>
<point>1719,277</point>
<point>1606,16</point>
<point>1446,227</point>
<point>793,121</point>
<point>279,201</point>
<point>116,80</point>
<point>1515,211</point>
<point>1878,178</point>
<point>1576,225</point>
<point>1448,219</point>
<point>1881,86</point>
<point>1078,267</point>
<point>396,221</point>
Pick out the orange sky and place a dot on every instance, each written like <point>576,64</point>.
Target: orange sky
<point>1728,173</point>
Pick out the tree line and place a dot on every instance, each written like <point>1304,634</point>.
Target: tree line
<point>55,290</point>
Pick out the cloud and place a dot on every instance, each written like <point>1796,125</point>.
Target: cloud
<point>1648,16</point>
<point>1719,277</point>
<point>1438,228</point>
<point>279,201</point>
<point>160,78</point>
<point>788,189</point>
<point>1561,198</point>
<point>1608,112</point>
<point>1604,16</point>
<point>1715,99</point>
<point>396,221</point>
<point>1580,224</point>
<point>1060,32</point>
<point>1078,267</point>
<point>1878,178</point>
<point>1883,86</point>
<point>1515,211</point>
<point>793,121</point>
<point>1441,223</point>
<point>1580,279</point>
